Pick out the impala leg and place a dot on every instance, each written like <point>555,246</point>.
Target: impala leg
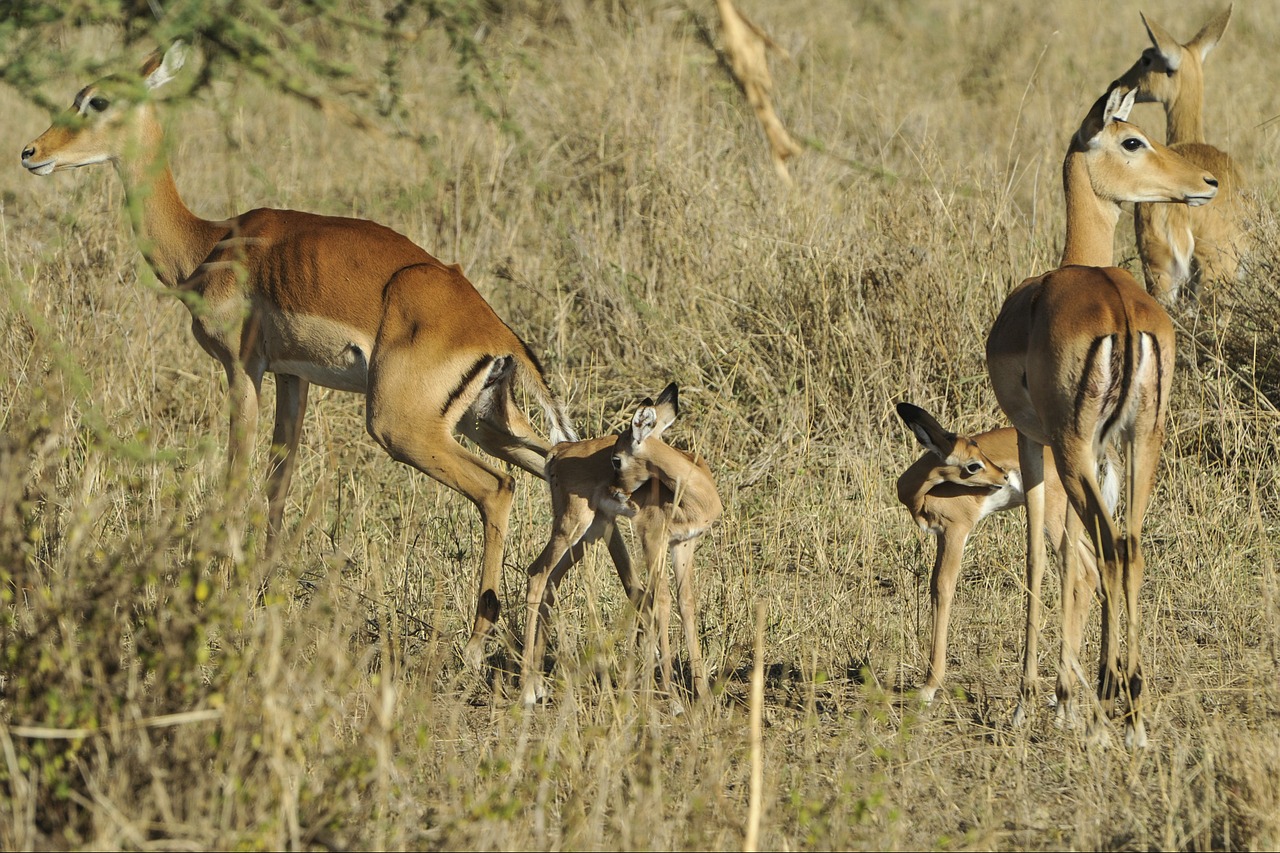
<point>1077,468</point>
<point>1145,456</point>
<point>291,405</point>
<point>1075,609</point>
<point>651,528</point>
<point>687,600</point>
<point>942,589</point>
<point>1031,462</point>
<point>564,549</point>
<point>242,389</point>
<point>431,448</point>
<point>622,564</point>
<point>506,433</point>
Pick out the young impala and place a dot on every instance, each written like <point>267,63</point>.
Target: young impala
<point>343,303</point>
<point>1171,236</point>
<point>960,480</point>
<point>672,501</point>
<point>1081,359</point>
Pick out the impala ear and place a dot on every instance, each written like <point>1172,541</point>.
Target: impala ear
<point>667,408</point>
<point>1207,39</point>
<point>931,434</point>
<point>1120,101</point>
<point>643,423</point>
<point>159,69</point>
<point>1170,49</point>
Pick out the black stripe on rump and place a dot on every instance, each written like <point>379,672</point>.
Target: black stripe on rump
<point>482,364</point>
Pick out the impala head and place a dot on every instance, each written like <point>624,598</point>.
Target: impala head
<point>1169,68</point>
<point>630,467</point>
<point>107,121</point>
<point>1126,165</point>
<point>960,459</point>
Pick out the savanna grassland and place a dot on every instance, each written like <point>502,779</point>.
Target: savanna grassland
<point>608,189</point>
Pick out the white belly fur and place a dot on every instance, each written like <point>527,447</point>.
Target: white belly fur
<point>317,349</point>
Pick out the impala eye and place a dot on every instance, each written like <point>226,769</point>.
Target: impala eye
<point>617,463</point>
<point>972,468</point>
<point>99,103</point>
<point>1133,143</point>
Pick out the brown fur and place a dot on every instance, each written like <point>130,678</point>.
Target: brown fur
<point>1171,237</point>
<point>948,499</point>
<point>345,303</point>
<point>672,500</point>
<point>1049,355</point>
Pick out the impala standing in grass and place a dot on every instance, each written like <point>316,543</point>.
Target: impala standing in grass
<point>672,500</point>
<point>343,303</point>
<point>1171,237</point>
<point>1081,359</point>
<point>960,480</point>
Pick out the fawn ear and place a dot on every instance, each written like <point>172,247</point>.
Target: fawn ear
<point>931,434</point>
<point>668,408</point>
<point>643,422</point>
<point>159,68</point>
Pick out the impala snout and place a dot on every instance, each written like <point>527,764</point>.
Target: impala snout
<point>33,163</point>
<point>1206,195</point>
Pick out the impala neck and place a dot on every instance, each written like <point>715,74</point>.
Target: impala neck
<point>1091,220</point>
<point>1184,116</point>
<point>173,239</point>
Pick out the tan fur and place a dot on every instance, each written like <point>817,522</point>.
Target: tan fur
<point>672,500</point>
<point>1171,237</point>
<point>1081,359</point>
<point>345,303</point>
<point>958,481</point>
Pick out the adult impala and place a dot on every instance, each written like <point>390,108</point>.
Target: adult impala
<point>1081,359</point>
<point>1171,237</point>
<point>670,497</point>
<point>343,303</point>
<point>960,480</point>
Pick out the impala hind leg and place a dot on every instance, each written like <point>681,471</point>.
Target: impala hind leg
<point>503,430</point>
<point>565,548</point>
<point>1031,462</point>
<point>428,445</point>
<point>1145,456</point>
<point>687,600</point>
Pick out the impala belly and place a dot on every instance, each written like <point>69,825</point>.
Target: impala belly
<point>317,349</point>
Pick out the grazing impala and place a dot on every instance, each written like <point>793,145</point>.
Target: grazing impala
<point>1171,237</point>
<point>671,499</point>
<point>343,303</point>
<point>960,480</point>
<point>1081,359</point>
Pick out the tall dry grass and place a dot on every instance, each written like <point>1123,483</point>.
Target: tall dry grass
<point>632,230</point>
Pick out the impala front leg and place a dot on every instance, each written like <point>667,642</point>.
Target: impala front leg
<point>291,405</point>
<point>942,590</point>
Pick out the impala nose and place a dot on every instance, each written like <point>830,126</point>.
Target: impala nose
<point>28,152</point>
<point>1211,181</point>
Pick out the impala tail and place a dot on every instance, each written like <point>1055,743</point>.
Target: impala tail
<point>534,380</point>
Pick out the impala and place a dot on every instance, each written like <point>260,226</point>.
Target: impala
<point>1171,237</point>
<point>342,303</point>
<point>960,480</point>
<point>1081,359</point>
<point>672,501</point>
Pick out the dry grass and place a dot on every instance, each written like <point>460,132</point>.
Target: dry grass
<point>633,233</point>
